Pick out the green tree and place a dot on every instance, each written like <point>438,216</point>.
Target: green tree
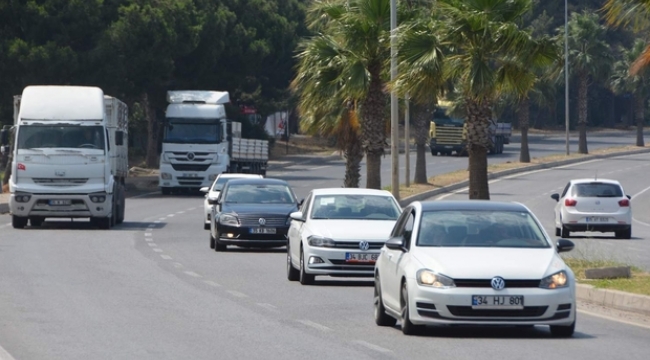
<point>487,48</point>
<point>637,85</point>
<point>634,14</point>
<point>589,59</point>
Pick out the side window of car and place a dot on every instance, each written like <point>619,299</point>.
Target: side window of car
<point>408,229</point>
<point>305,205</point>
<point>566,188</point>
<point>398,229</point>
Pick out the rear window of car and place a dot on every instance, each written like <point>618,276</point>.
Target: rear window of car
<point>596,189</point>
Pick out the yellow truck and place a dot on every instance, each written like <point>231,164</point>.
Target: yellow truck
<point>448,134</point>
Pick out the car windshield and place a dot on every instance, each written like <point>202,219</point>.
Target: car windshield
<point>354,207</point>
<point>221,181</point>
<point>61,136</point>
<point>596,189</point>
<point>474,228</point>
<point>259,194</point>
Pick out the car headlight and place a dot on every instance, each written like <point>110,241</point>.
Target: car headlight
<point>228,220</point>
<point>320,241</point>
<point>555,281</point>
<point>166,176</point>
<point>429,278</point>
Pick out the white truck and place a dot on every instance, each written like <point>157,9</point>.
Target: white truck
<point>70,157</point>
<point>200,142</point>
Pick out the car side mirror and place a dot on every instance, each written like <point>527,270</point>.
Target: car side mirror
<point>4,137</point>
<point>396,243</point>
<point>564,245</point>
<point>628,197</point>
<point>297,215</point>
<point>204,189</point>
<point>213,201</point>
<point>555,197</point>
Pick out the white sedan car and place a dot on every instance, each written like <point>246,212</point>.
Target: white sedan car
<point>473,263</point>
<point>593,205</point>
<point>213,191</point>
<point>339,232</point>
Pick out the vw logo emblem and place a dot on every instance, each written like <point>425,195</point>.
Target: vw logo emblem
<point>364,245</point>
<point>262,221</point>
<point>597,202</point>
<point>190,156</point>
<point>498,283</point>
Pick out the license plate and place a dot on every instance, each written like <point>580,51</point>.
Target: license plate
<point>361,257</point>
<point>597,219</point>
<point>263,231</point>
<point>497,302</point>
<point>448,147</point>
<point>191,175</point>
<point>60,202</point>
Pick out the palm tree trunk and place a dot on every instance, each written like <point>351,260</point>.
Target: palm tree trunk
<point>639,110</point>
<point>152,130</point>
<point>582,113</point>
<point>373,134</point>
<point>478,142</point>
<point>352,151</point>
<point>523,115</point>
<point>422,119</point>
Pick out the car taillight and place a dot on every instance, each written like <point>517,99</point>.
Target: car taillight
<point>570,202</point>
<point>624,203</point>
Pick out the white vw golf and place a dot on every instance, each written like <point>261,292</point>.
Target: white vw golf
<point>339,232</point>
<point>473,263</point>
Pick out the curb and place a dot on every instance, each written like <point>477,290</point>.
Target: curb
<point>495,175</point>
<point>615,299</point>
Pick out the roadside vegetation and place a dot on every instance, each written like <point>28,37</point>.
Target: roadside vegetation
<point>639,283</point>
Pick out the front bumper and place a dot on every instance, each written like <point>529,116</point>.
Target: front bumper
<point>80,206</point>
<point>242,236</point>
<point>170,178</point>
<point>334,262</point>
<point>454,306</point>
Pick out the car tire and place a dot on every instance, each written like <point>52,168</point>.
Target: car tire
<point>408,328</point>
<point>625,234</point>
<point>292,273</point>
<point>565,233</point>
<point>305,279</point>
<point>563,331</point>
<point>381,318</point>
<point>212,241</point>
<point>558,232</point>
<point>206,226</point>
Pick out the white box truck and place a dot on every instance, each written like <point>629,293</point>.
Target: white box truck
<point>70,157</point>
<point>200,142</point>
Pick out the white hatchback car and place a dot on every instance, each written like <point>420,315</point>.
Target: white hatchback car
<point>593,205</point>
<point>213,191</point>
<point>339,232</point>
<point>473,263</point>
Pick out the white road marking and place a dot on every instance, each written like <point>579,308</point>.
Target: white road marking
<point>166,257</point>
<point>372,346</point>
<point>190,209</point>
<point>178,265</point>
<point>641,222</point>
<point>158,250</point>
<point>162,218</point>
<point>148,239</point>
<point>267,306</point>
<point>147,234</point>
<point>212,283</point>
<point>4,226</point>
<point>144,195</point>
<point>314,325</point>
<point>170,215</point>
<point>610,318</point>
<point>180,212</point>
<point>193,274</point>
<point>4,355</point>
<point>157,222</point>
<point>320,167</point>
<point>152,244</point>
<point>237,293</point>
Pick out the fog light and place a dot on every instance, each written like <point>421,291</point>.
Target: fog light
<point>230,235</point>
<point>315,260</point>
<point>166,176</point>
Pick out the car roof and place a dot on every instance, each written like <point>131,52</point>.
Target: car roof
<point>238,175</point>
<point>587,181</point>
<point>350,191</point>
<point>256,181</point>
<point>481,205</point>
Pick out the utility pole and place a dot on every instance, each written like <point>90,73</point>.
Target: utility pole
<point>394,130</point>
<point>407,141</point>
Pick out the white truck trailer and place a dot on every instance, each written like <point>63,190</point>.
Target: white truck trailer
<point>200,142</point>
<point>70,158</point>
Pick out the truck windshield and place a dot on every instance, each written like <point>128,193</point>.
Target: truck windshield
<point>60,136</point>
<point>192,131</point>
<point>440,117</point>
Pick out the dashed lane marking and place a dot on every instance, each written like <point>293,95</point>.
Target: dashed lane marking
<point>372,346</point>
<point>237,293</point>
<point>152,244</point>
<point>314,325</point>
<point>4,355</point>
<point>178,265</point>
<point>268,306</point>
<point>158,250</point>
<point>166,257</point>
<point>193,274</point>
<point>212,283</point>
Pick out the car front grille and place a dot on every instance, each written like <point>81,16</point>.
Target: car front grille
<point>486,283</point>
<point>355,245</point>
<point>467,311</point>
<point>253,220</point>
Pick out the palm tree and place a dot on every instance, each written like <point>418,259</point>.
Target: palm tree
<point>421,77</point>
<point>622,81</point>
<point>323,108</point>
<point>360,33</point>
<point>635,14</point>
<point>589,58</point>
<point>486,44</point>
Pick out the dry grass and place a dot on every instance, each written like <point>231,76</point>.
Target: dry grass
<point>300,145</point>
<point>639,283</point>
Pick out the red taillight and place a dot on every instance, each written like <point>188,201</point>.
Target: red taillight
<point>570,202</point>
<point>624,203</point>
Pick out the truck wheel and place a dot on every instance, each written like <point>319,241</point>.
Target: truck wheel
<point>18,222</point>
<point>36,221</point>
<point>121,206</point>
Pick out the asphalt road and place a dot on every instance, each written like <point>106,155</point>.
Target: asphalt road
<point>152,289</point>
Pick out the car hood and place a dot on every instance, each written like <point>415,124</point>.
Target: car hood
<point>485,263</point>
<point>266,209</point>
<point>353,229</point>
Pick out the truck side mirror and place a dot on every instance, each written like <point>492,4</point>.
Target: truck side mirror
<point>119,138</point>
<point>4,137</point>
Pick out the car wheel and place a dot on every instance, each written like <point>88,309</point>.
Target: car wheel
<point>36,221</point>
<point>292,273</point>
<point>563,331</point>
<point>305,279</point>
<point>212,241</point>
<point>558,232</point>
<point>625,234</point>
<point>381,318</point>
<point>565,233</point>
<point>408,328</point>
<point>219,247</point>
<point>206,226</point>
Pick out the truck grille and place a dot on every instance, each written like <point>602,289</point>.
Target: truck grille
<point>60,182</point>
<point>449,135</point>
<point>190,167</point>
<point>195,157</point>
